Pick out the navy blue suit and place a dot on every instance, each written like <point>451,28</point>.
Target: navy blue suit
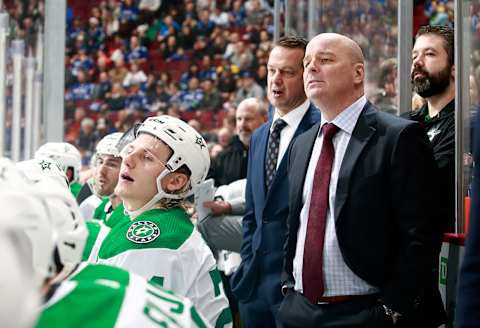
<point>468,300</point>
<point>256,284</point>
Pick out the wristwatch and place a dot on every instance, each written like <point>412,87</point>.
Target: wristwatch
<point>392,314</point>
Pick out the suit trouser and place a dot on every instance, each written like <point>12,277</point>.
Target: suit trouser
<point>297,311</point>
<point>257,312</point>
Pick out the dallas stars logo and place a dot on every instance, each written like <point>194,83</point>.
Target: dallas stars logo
<point>45,165</point>
<point>142,232</point>
<point>199,141</point>
<point>433,133</point>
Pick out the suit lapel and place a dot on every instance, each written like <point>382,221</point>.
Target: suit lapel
<point>301,162</point>
<point>362,133</point>
<point>259,184</point>
<point>311,117</point>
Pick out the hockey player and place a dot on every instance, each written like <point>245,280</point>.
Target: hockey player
<point>69,159</point>
<point>93,295</point>
<point>19,290</point>
<point>107,169</point>
<point>159,169</point>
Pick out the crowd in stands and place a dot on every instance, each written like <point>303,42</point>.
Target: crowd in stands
<point>129,59</point>
<point>126,60</point>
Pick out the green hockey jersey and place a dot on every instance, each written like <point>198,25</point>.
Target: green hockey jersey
<point>164,247</point>
<point>75,188</point>
<point>104,296</point>
<point>104,212</point>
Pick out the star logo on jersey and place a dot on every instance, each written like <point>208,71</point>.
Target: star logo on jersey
<point>199,141</point>
<point>432,133</point>
<point>142,232</point>
<point>45,165</point>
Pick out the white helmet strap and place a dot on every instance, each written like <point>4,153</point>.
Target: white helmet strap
<point>161,194</point>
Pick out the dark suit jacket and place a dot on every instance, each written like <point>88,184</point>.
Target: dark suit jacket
<point>468,299</point>
<point>264,223</point>
<point>388,233</point>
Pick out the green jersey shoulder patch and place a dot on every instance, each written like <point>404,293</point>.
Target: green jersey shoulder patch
<point>142,232</point>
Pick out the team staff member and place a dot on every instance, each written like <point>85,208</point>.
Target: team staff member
<point>256,283</point>
<point>433,78</point>
<point>361,244</point>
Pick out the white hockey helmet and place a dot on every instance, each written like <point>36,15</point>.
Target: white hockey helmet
<point>108,145</point>
<point>187,145</point>
<point>188,148</point>
<point>26,217</point>
<point>49,216</point>
<point>37,168</point>
<point>69,229</point>
<point>20,297</point>
<point>65,154</point>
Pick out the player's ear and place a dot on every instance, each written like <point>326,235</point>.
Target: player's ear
<point>174,181</point>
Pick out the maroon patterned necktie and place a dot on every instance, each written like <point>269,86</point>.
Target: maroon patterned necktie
<point>312,275</point>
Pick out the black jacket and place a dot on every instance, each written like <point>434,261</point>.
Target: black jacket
<point>441,132</point>
<point>231,164</point>
<point>386,233</point>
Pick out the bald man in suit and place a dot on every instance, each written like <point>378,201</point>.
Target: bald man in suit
<point>362,243</point>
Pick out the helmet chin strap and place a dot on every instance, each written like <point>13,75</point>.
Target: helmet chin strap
<point>157,197</point>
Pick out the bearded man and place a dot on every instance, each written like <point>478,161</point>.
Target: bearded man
<point>433,78</point>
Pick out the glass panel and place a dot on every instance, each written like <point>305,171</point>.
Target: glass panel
<point>297,19</point>
<point>25,22</point>
<point>472,44</point>
<point>373,24</point>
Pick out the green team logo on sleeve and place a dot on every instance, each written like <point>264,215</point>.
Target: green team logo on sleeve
<point>142,232</point>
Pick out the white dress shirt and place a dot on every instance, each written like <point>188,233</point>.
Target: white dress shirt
<point>292,119</point>
<point>338,278</point>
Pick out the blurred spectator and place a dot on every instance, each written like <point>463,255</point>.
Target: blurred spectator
<point>73,129</point>
<point>81,61</point>
<point>248,88</point>
<point>193,71</point>
<point>116,98</point>
<point>138,54</point>
<point>211,100</point>
<point>118,73</point>
<point>128,15</point>
<point>82,90</point>
<point>204,25</point>
<point>255,12</point>
<point>224,137</point>
<point>110,22</point>
<point>237,14</point>
<point>208,71</point>
<point>191,98</point>
<point>168,27</point>
<point>219,17</point>
<point>265,41</point>
<point>103,87</point>
<point>242,56</point>
<point>86,139</point>
<point>136,99</point>
<point>95,34</point>
<point>215,150</point>
<point>134,76</point>
<point>186,38</point>
<point>227,82</point>
<point>385,97</point>
<point>231,164</point>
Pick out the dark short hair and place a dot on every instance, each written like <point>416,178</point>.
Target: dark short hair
<point>292,42</point>
<point>446,33</point>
